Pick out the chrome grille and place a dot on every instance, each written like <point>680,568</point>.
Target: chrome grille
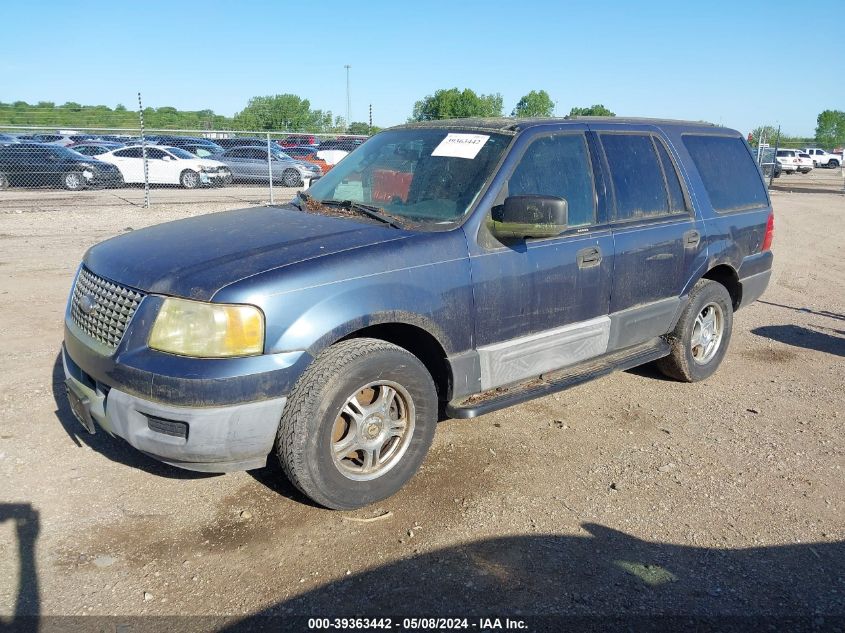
<point>101,308</point>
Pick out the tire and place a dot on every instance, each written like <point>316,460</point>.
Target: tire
<point>73,181</point>
<point>4,182</point>
<point>833,163</point>
<point>345,382</point>
<point>189,179</point>
<point>685,364</point>
<point>290,178</point>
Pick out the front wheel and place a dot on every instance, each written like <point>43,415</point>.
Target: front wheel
<point>701,337</point>
<point>189,179</point>
<point>290,178</point>
<point>358,423</point>
<point>73,181</point>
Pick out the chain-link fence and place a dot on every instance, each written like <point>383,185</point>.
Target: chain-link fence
<point>166,165</point>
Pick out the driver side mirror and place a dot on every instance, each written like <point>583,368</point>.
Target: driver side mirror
<point>530,216</point>
<point>166,157</point>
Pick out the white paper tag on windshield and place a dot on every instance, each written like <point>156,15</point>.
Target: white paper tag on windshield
<point>460,145</point>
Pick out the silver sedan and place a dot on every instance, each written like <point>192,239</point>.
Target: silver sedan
<point>250,164</point>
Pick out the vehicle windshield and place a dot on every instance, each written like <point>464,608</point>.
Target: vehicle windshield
<point>178,152</point>
<point>424,175</point>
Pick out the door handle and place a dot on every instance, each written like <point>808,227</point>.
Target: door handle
<point>692,238</point>
<point>588,257</point>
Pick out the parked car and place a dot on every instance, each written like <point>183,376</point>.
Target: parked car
<point>227,143</point>
<point>53,139</point>
<point>167,166</point>
<point>462,265</point>
<point>202,150</point>
<point>308,153</point>
<point>8,139</point>
<point>791,161</point>
<point>347,145</point>
<point>191,144</point>
<point>294,140</point>
<point>334,151</point>
<point>806,164</point>
<point>39,164</point>
<point>94,148</point>
<point>821,158</point>
<point>250,164</point>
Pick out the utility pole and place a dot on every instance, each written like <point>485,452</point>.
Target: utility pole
<point>348,101</point>
<point>371,119</point>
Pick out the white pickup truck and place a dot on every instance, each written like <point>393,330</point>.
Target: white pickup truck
<point>821,158</point>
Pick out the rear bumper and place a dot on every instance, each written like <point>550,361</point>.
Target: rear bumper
<point>754,276</point>
<point>208,439</point>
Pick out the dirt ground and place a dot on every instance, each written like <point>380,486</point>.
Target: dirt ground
<point>629,496</point>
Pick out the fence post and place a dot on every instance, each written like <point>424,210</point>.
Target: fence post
<point>270,167</point>
<point>144,155</point>
<point>777,143</point>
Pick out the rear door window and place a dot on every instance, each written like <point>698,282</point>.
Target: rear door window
<point>729,173</point>
<point>637,176</point>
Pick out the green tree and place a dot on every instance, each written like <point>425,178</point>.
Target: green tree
<point>359,127</point>
<point>594,110</point>
<point>282,112</point>
<point>454,103</point>
<point>535,103</point>
<point>766,133</point>
<point>830,128</point>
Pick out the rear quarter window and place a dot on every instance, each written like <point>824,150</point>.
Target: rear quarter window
<point>728,171</point>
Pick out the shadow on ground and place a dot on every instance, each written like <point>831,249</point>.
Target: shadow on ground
<point>798,336</point>
<point>824,313</point>
<point>607,574</point>
<point>27,601</point>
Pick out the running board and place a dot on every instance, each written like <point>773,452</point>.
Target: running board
<point>501,397</point>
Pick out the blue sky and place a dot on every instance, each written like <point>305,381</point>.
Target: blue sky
<point>725,62</point>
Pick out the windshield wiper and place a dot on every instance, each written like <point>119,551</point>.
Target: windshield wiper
<point>365,209</point>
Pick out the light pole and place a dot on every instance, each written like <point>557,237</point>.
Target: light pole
<point>347,67</point>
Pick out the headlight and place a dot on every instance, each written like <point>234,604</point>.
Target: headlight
<point>208,330</point>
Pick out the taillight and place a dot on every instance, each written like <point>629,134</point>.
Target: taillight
<point>770,233</point>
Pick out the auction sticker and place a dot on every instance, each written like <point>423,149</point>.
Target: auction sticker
<point>460,145</point>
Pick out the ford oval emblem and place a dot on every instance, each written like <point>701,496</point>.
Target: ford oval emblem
<point>88,303</point>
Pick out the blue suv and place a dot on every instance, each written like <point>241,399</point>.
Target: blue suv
<point>442,268</point>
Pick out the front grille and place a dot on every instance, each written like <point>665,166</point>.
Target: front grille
<point>101,308</point>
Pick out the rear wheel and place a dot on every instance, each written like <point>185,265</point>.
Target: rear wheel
<point>189,179</point>
<point>833,163</point>
<point>702,335</point>
<point>73,181</point>
<point>358,423</point>
<point>290,178</point>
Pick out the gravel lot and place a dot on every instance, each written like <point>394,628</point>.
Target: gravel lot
<point>629,495</point>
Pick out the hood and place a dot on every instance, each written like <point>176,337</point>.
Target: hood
<point>196,257</point>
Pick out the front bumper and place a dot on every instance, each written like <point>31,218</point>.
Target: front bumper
<point>207,439</point>
<point>222,176</point>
